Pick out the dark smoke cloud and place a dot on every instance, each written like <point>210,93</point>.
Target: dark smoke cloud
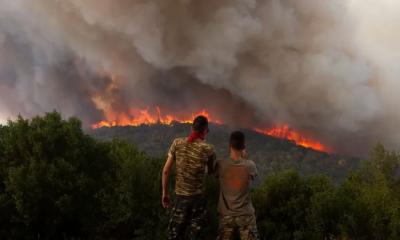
<point>325,67</point>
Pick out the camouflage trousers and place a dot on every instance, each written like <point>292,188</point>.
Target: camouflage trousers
<point>188,214</point>
<point>245,225</point>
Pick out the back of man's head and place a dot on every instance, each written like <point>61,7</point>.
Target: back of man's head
<point>200,124</point>
<point>237,141</point>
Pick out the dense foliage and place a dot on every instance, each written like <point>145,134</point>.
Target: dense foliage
<point>56,182</point>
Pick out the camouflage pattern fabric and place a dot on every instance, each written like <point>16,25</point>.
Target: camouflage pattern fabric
<point>245,225</point>
<point>188,214</point>
<point>192,160</point>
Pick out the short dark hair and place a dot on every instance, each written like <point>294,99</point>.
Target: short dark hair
<point>200,124</point>
<point>237,140</point>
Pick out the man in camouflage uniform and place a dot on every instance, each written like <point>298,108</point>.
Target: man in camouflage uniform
<point>235,206</point>
<point>193,157</point>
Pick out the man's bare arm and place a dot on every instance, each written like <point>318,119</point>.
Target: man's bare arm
<point>165,181</point>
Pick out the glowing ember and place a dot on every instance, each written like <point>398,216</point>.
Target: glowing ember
<point>137,117</point>
<point>285,132</point>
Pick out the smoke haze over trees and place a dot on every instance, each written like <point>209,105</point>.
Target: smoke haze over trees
<point>325,67</point>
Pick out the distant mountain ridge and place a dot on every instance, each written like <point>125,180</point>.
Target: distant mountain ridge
<point>270,154</point>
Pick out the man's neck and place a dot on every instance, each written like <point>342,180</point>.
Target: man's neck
<point>236,155</point>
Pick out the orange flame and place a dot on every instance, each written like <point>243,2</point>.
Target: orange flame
<point>285,132</point>
<point>137,117</point>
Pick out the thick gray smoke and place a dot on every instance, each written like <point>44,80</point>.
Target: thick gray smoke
<point>325,67</point>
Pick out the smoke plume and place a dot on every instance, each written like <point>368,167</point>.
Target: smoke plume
<point>325,67</point>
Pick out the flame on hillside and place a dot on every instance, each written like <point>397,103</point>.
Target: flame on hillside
<point>137,117</point>
<point>285,132</point>
<point>146,116</point>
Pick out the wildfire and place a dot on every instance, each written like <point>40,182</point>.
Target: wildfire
<point>137,117</point>
<point>285,132</point>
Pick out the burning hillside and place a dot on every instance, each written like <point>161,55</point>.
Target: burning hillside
<point>137,117</point>
<point>285,132</point>
<point>147,116</point>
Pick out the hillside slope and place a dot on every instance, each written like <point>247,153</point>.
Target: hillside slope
<point>270,154</point>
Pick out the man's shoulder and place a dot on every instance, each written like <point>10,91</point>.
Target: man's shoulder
<point>206,144</point>
<point>179,140</point>
<point>245,162</point>
<point>250,163</point>
<point>202,144</point>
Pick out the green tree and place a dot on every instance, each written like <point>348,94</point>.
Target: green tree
<point>290,206</point>
<point>131,200</point>
<point>373,207</point>
<point>384,161</point>
<point>326,210</point>
<point>52,172</point>
<point>281,204</point>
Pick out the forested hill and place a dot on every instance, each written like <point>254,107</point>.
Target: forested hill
<point>56,182</point>
<point>271,154</point>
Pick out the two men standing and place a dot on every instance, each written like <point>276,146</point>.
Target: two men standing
<point>194,158</point>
